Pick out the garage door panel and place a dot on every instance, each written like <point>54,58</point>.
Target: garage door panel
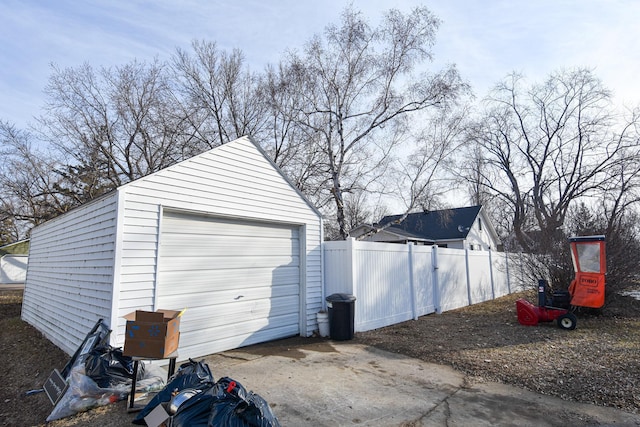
<point>212,345</point>
<point>177,239</point>
<point>232,322</point>
<point>211,279</point>
<point>240,232</point>
<point>230,291</point>
<point>225,291</point>
<point>202,246</point>
<point>230,249</point>
<point>239,280</point>
<point>185,223</point>
<point>235,297</point>
<point>230,252</point>
<point>212,332</point>
<point>234,262</point>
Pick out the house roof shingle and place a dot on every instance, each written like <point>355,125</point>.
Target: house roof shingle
<point>435,225</point>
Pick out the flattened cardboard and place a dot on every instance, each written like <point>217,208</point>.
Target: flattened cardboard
<point>156,417</point>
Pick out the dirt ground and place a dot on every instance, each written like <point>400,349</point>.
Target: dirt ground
<point>597,363</point>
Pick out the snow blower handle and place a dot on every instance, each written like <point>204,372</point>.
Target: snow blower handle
<point>542,292</point>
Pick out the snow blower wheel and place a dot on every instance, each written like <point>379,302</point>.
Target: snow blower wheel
<point>567,321</point>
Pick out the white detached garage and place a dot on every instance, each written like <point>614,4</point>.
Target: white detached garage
<point>223,234</point>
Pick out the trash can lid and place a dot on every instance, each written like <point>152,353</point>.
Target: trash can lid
<point>340,298</point>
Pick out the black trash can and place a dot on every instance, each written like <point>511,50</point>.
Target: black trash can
<point>341,313</point>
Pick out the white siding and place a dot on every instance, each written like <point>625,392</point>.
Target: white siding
<point>482,237</point>
<point>234,180</point>
<point>240,281</point>
<point>70,273</point>
<point>110,246</point>
<point>454,244</point>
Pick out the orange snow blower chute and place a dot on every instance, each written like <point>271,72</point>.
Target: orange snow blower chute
<point>590,266</point>
<point>585,290</point>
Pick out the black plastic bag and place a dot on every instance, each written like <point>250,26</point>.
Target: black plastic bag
<point>195,412</point>
<point>255,411</point>
<point>108,367</point>
<point>191,374</point>
<point>233,406</point>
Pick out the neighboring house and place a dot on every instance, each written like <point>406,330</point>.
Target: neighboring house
<point>223,234</point>
<point>17,248</point>
<point>459,228</point>
<point>14,258</point>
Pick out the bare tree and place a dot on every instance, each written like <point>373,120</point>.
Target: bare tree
<point>115,125</point>
<point>359,93</point>
<point>221,97</point>
<point>620,190</point>
<point>288,143</point>
<point>425,179</point>
<point>471,173</point>
<point>9,230</point>
<point>547,146</point>
<point>29,185</point>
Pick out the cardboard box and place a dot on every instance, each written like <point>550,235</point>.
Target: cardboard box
<point>152,334</point>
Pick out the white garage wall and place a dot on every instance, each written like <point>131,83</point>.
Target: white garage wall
<point>235,180</point>
<point>80,260</point>
<point>70,273</point>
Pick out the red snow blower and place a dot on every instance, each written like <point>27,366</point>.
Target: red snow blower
<point>586,289</point>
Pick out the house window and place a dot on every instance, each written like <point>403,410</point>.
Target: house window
<point>480,224</point>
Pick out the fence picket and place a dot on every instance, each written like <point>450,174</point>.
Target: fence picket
<point>394,283</point>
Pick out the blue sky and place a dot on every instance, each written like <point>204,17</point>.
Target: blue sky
<point>486,39</point>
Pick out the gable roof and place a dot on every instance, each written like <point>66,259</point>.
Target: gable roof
<point>434,225</point>
<point>242,141</point>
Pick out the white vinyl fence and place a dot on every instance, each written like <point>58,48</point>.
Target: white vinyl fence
<point>393,283</point>
<point>13,268</point>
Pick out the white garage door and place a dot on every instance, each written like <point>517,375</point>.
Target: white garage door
<point>239,280</point>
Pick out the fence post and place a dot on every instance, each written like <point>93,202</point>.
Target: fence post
<point>506,262</point>
<point>436,285</point>
<point>493,288</point>
<point>2,274</point>
<point>351,259</point>
<point>412,282</point>
<point>521,272</point>
<point>466,267</point>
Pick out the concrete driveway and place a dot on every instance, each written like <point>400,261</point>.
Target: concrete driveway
<point>317,382</point>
